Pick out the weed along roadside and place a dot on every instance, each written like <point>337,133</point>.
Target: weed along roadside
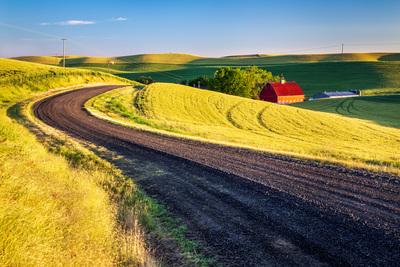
<point>144,223</point>
<point>70,207</point>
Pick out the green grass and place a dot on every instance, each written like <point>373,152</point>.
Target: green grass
<point>221,118</point>
<point>259,59</point>
<point>383,110</point>
<point>312,77</point>
<point>381,91</point>
<point>314,73</point>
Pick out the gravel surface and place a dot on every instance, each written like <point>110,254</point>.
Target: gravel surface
<point>249,208</point>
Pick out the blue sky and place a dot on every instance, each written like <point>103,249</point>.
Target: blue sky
<point>206,27</point>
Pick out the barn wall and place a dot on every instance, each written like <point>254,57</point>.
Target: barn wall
<point>290,99</point>
<point>268,94</point>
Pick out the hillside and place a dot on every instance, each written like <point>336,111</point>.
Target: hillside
<point>20,79</point>
<point>258,59</point>
<point>54,208</point>
<point>383,110</point>
<point>223,118</point>
<point>49,60</point>
<point>314,73</point>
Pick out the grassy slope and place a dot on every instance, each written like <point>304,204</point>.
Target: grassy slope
<point>50,213</point>
<point>383,110</point>
<point>261,125</point>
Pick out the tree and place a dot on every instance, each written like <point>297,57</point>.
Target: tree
<point>245,82</point>
<point>257,78</point>
<point>145,80</point>
<point>203,81</point>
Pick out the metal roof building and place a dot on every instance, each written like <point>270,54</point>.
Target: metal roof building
<point>336,94</point>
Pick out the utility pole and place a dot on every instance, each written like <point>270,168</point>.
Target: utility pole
<point>108,64</point>
<point>63,40</point>
<point>342,48</point>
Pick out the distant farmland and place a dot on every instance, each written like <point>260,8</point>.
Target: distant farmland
<point>314,73</point>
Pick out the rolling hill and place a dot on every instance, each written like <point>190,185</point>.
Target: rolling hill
<point>257,59</point>
<point>314,73</point>
<point>383,110</point>
<point>216,117</point>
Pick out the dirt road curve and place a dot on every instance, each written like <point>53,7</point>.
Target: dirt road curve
<point>250,208</point>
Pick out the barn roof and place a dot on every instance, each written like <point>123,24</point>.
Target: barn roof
<point>287,88</point>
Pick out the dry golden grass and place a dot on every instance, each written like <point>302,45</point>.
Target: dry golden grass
<point>54,209</point>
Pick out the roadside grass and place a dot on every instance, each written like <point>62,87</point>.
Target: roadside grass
<point>60,204</point>
<point>216,117</point>
<point>136,213</point>
<point>379,109</point>
<point>50,213</point>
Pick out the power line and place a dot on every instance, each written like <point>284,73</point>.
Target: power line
<point>56,37</point>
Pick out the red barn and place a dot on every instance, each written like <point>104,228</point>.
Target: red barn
<point>282,92</point>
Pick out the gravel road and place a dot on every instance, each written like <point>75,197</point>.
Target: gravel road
<point>249,208</point>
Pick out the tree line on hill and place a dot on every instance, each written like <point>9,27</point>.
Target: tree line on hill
<point>245,82</point>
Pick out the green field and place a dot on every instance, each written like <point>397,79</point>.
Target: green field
<point>314,73</point>
<point>216,117</point>
<point>383,110</point>
<point>258,59</point>
<point>54,209</point>
<point>312,77</point>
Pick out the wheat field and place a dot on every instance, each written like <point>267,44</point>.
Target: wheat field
<point>216,117</point>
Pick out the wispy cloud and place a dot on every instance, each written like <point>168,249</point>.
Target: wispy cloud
<point>72,22</point>
<point>119,19</point>
<point>78,22</point>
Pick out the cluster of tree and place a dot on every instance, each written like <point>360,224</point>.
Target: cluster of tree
<point>145,80</point>
<point>246,82</point>
<point>200,82</point>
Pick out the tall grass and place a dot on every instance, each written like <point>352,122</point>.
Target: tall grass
<point>221,118</point>
<point>60,204</point>
<point>55,211</point>
<point>50,213</point>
